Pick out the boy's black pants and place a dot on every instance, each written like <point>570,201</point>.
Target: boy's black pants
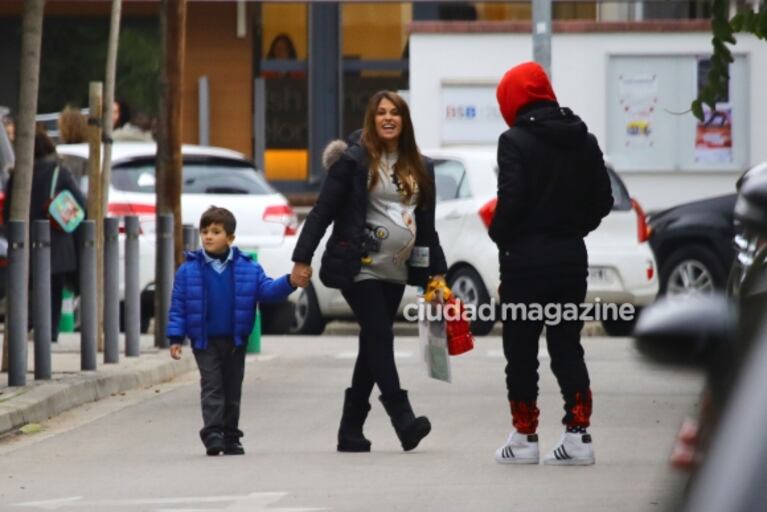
<point>375,305</point>
<point>222,367</point>
<point>520,339</point>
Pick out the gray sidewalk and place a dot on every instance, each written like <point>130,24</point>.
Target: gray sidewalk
<point>70,387</point>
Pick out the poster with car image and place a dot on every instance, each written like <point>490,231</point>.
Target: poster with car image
<point>713,135</point>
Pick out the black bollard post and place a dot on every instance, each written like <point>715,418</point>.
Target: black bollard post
<point>132,300</point>
<point>164,276</point>
<point>17,304</point>
<point>111,290</point>
<point>88,311</point>
<point>41,297</point>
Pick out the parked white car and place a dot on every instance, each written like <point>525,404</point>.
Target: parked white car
<point>621,265</point>
<point>210,176</point>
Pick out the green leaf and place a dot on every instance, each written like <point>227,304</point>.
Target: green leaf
<point>760,24</point>
<point>721,51</point>
<point>722,30</point>
<point>31,428</point>
<point>738,22</point>
<point>708,96</point>
<point>697,109</point>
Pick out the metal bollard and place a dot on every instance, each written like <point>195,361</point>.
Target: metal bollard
<point>88,311</point>
<point>164,277</point>
<point>132,300</point>
<point>17,304</point>
<point>41,297</point>
<point>111,290</point>
<point>191,238</point>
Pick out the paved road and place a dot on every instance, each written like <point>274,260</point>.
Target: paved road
<point>140,451</point>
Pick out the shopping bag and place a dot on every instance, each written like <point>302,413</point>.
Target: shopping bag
<point>459,337</point>
<point>433,339</point>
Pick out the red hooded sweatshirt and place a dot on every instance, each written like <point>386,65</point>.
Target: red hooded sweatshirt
<point>520,86</point>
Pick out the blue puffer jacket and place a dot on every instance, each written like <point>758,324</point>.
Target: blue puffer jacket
<point>186,317</point>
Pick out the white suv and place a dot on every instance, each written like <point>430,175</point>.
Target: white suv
<point>211,176</point>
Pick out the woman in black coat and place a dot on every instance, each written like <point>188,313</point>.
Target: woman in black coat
<point>63,246</point>
<point>379,194</point>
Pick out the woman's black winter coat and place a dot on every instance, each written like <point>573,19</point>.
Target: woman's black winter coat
<point>343,201</point>
<point>64,253</point>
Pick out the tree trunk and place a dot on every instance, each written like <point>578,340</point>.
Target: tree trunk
<point>95,212</point>
<point>106,162</point>
<point>32,36</point>
<point>169,161</point>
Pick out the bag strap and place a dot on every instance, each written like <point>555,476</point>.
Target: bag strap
<point>54,181</point>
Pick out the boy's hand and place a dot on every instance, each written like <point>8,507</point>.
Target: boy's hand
<point>175,351</point>
<point>300,275</point>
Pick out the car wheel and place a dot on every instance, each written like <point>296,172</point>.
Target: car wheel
<point>468,286</point>
<point>692,270</point>
<point>618,327</point>
<point>307,318</point>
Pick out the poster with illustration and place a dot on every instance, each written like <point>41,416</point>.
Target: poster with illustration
<point>638,97</point>
<point>713,135</point>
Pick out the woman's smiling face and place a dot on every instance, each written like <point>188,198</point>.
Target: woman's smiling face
<point>388,123</point>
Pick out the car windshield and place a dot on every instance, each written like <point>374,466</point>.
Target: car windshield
<point>200,176</point>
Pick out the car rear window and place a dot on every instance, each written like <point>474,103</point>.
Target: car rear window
<point>621,198</point>
<point>200,176</point>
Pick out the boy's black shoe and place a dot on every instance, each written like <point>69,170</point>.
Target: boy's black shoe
<point>214,444</point>
<point>233,447</point>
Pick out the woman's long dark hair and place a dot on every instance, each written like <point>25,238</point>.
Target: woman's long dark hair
<point>410,162</point>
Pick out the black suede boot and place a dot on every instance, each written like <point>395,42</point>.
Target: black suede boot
<point>410,429</point>
<point>350,437</point>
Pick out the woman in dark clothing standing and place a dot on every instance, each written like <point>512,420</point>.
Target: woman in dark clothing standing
<point>553,189</point>
<point>63,247</point>
<point>379,193</point>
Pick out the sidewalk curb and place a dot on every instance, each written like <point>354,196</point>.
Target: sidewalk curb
<point>39,401</point>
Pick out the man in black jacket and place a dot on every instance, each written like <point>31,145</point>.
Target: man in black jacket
<point>553,189</point>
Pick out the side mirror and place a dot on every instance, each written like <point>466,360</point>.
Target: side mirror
<point>751,204</point>
<point>686,331</point>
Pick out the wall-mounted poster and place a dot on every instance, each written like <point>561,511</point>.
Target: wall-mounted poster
<point>713,135</point>
<point>638,98</point>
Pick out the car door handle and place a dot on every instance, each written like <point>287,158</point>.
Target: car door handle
<point>453,215</point>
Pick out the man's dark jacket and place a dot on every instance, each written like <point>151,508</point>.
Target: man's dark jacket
<point>343,201</point>
<point>553,189</point>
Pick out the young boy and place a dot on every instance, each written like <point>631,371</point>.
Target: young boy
<point>215,295</point>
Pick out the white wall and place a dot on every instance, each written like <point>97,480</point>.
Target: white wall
<point>579,69</point>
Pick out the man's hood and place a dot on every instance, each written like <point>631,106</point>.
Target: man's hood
<point>552,123</point>
<point>522,85</point>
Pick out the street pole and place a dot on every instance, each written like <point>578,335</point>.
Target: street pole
<point>542,34</point>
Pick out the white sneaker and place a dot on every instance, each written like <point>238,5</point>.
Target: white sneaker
<point>572,450</point>
<point>519,449</point>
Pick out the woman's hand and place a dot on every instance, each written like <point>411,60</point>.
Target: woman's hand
<point>437,290</point>
<point>300,275</point>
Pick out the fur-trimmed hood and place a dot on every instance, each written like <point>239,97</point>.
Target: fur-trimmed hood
<point>333,152</point>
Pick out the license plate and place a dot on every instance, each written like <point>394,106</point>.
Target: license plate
<point>599,275</point>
